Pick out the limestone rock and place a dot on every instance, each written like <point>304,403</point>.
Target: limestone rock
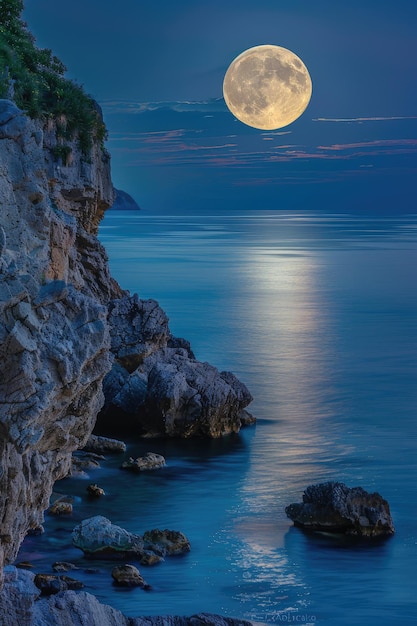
<point>50,584</point>
<point>150,461</point>
<point>97,537</point>
<point>166,542</point>
<point>173,395</point>
<point>64,320</point>
<point>83,462</point>
<point>128,576</point>
<point>54,335</point>
<point>60,507</point>
<point>98,444</point>
<point>138,328</point>
<point>334,507</point>
<point>22,604</point>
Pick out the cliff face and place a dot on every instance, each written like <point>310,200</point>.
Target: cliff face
<point>66,326</point>
<point>54,337</point>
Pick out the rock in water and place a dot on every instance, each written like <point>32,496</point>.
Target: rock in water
<point>97,537</point>
<point>95,491</point>
<point>157,386</point>
<point>166,542</point>
<point>128,576</point>
<point>334,507</point>
<point>150,461</point>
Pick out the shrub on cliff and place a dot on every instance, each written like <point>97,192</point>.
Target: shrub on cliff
<point>35,79</point>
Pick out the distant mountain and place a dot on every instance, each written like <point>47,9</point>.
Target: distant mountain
<point>124,202</point>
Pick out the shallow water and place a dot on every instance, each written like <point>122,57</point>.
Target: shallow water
<point>317,314</point>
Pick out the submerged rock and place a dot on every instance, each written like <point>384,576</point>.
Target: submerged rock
<point>150,461</point>
<point>63,566</point>
<point>334,507</point>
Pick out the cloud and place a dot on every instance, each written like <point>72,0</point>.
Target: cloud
<point>364,119</point>
<point>371,144</point>
<point>211,105</point>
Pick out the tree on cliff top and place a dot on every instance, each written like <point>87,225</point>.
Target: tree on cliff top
<point>35,79</point>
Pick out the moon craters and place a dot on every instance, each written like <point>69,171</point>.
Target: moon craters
<point>267,87</point>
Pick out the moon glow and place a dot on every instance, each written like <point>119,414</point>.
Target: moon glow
<point>267,87</point>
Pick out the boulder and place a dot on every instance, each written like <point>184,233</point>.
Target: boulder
<point>128,576</point>
<point>97,537</point>
<point>171,394</point>
<point>62,506</point>
<point>334,507</point>
<point>95,491</point>
<point>150,461</point>
<point>100,445</point>
<point>50,584</point>
<point>166,542</point>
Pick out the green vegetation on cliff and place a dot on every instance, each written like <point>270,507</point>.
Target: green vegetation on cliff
<point>35,79</point>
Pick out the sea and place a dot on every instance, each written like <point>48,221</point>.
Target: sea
<point>317,314</point>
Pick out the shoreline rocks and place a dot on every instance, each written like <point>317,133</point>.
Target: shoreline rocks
<point>151,461</point>
<point>22,603</point>
<point>98,538</point>
<point>157,388</point>
<point>65,324</point>
<point>334,507</point>
<point>100,445</point>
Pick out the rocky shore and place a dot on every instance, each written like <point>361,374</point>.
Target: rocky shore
<point>75,346</point>
<point>21,603</point>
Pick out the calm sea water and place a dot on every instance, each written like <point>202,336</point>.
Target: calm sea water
<point>317,314</point>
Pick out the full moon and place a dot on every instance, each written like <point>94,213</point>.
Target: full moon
<point>267,87</point>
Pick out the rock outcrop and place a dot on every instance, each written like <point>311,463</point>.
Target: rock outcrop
<point>54,335</point>
<point>156,385</point>
<point>334,507</point>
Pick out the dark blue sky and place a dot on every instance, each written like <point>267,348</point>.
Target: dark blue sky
<point>355,147</point>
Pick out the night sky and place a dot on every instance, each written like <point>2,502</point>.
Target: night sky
<point>157,69</point>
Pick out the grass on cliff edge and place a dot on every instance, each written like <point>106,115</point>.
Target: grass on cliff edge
<point>35,79</point>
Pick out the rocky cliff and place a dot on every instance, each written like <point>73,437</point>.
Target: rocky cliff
<point>54,336</point>
<point>66,325</point>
